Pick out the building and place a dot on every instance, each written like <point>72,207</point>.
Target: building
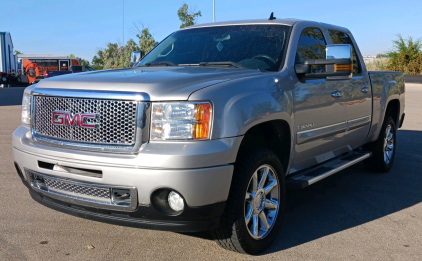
<point>8,60</point>
<point>369,59</point>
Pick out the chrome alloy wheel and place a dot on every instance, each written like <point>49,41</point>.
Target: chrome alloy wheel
<point>262,202</point>
<point>388,145</point>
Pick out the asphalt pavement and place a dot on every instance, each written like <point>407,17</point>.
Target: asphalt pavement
<point>353,215</point>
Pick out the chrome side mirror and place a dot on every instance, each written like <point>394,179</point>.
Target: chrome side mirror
<point>135,57</point>
<point>338,64</point>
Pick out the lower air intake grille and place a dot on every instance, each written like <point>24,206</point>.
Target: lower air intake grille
<point>53,184</point>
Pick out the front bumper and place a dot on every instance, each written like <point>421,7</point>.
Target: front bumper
<point>204,189</point>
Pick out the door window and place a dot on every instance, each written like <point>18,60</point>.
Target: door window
<point>311,46</point>
<point>342,38</point>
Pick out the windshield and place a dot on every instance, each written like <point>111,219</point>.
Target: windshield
<point>249,46</point>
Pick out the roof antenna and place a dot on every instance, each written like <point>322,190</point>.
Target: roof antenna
<point>272,16</point>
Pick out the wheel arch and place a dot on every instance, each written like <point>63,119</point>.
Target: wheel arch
<point>275,135</point>
<point>393,109</point>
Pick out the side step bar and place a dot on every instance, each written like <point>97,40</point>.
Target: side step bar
<point>309,177</point>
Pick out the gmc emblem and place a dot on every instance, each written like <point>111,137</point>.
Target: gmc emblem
<point>65,118</point>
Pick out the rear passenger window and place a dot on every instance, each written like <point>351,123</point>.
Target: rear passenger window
<point>311,46</point>
<point>342,38</point>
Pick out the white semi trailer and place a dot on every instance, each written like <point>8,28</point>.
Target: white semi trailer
<point>8,60</point>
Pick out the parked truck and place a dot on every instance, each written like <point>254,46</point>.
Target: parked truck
<point>73,69</point>
<point>208,130</point>
<point>8,60</point>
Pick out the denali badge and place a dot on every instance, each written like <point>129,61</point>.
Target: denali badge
<point>79,119</point>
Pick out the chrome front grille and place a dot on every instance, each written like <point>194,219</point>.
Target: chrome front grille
<point>54,184</point>
<point>115,121</point>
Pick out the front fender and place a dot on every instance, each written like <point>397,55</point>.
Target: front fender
<point>241,104</point>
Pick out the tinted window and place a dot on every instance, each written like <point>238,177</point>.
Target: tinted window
<point>250,46</point>
<point>342,38</point>
<point>311,46</point>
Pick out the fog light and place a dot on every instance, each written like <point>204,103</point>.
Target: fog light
<point>176,201</point>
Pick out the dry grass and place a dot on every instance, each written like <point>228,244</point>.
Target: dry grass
<point>377,65</point>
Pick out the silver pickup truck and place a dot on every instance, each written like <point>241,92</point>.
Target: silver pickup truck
<point>209,129</point>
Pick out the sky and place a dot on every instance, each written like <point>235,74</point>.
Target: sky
<point>82,27</point>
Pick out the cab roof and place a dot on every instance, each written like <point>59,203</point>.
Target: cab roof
<point>283,21</point>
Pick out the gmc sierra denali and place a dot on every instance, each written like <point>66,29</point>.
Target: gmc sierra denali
<point>208,130</point>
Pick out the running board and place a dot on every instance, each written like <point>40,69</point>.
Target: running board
<point>309,177</point>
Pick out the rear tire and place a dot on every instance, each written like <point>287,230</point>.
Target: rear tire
<point>256,204</point>
<point>384,149</point>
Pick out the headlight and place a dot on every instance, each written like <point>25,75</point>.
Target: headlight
<point>181,121</point>
<point>26,109</point>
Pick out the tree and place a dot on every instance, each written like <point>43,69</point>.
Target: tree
<point>146,41</point>
<point>187,18</point>
<point>127,50</point>
<point>82,62</point>
<point>405,46</point>
<point>111,56</point>
<point>115,56</point>
<point>97,61</point>
<point>17,52</point>
<point>406,56</point>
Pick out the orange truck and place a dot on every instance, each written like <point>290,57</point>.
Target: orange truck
<point>33,70</point>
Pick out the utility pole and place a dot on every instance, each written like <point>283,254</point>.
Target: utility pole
<point>123,43</point>
<point>213,10</point>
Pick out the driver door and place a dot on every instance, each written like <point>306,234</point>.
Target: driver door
<point>319,113</point>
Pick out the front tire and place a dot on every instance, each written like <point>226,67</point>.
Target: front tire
<point>256,204</point>
<point>384,149</point>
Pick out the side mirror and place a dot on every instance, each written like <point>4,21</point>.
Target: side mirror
<point>135,57</point>
<point>338,64</point>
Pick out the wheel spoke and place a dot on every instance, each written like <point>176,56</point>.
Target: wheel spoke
<point>255,225</point>
<point>272,185</point>
<point>387,135</point>
<point>264,220</point>
<point>271,204</point>
<point>390,147</point>
<point>248,197</point>
<point>255,182</point>
<point>248,214</point>
<point>388,156</point>
<point>390,137</point>
<point>264,178</point>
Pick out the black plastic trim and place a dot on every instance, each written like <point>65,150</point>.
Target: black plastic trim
<point>402,120</point>
<point>191,220</point>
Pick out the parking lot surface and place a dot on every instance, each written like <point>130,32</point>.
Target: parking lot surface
<point>353,215</point>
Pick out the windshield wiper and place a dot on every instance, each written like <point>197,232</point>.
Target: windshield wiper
<point>159,64</point>
<point>226,64</point>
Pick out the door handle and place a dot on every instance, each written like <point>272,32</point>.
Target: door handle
<point>365,90</point>
<point>337,94</point>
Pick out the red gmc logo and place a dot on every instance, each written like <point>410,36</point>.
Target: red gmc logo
<point>79,119</point>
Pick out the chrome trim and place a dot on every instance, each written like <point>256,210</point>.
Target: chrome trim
<point>335,166</point>
<point>339,168</point>
<point>80,199</point>
<point>318,133</point>
<point>93,94</point>
<point>337,94</point>
<point>141,133</point>
<point>359,122</point>
<point>365,90</point>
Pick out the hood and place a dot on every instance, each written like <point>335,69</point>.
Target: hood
<point>160,83</point>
